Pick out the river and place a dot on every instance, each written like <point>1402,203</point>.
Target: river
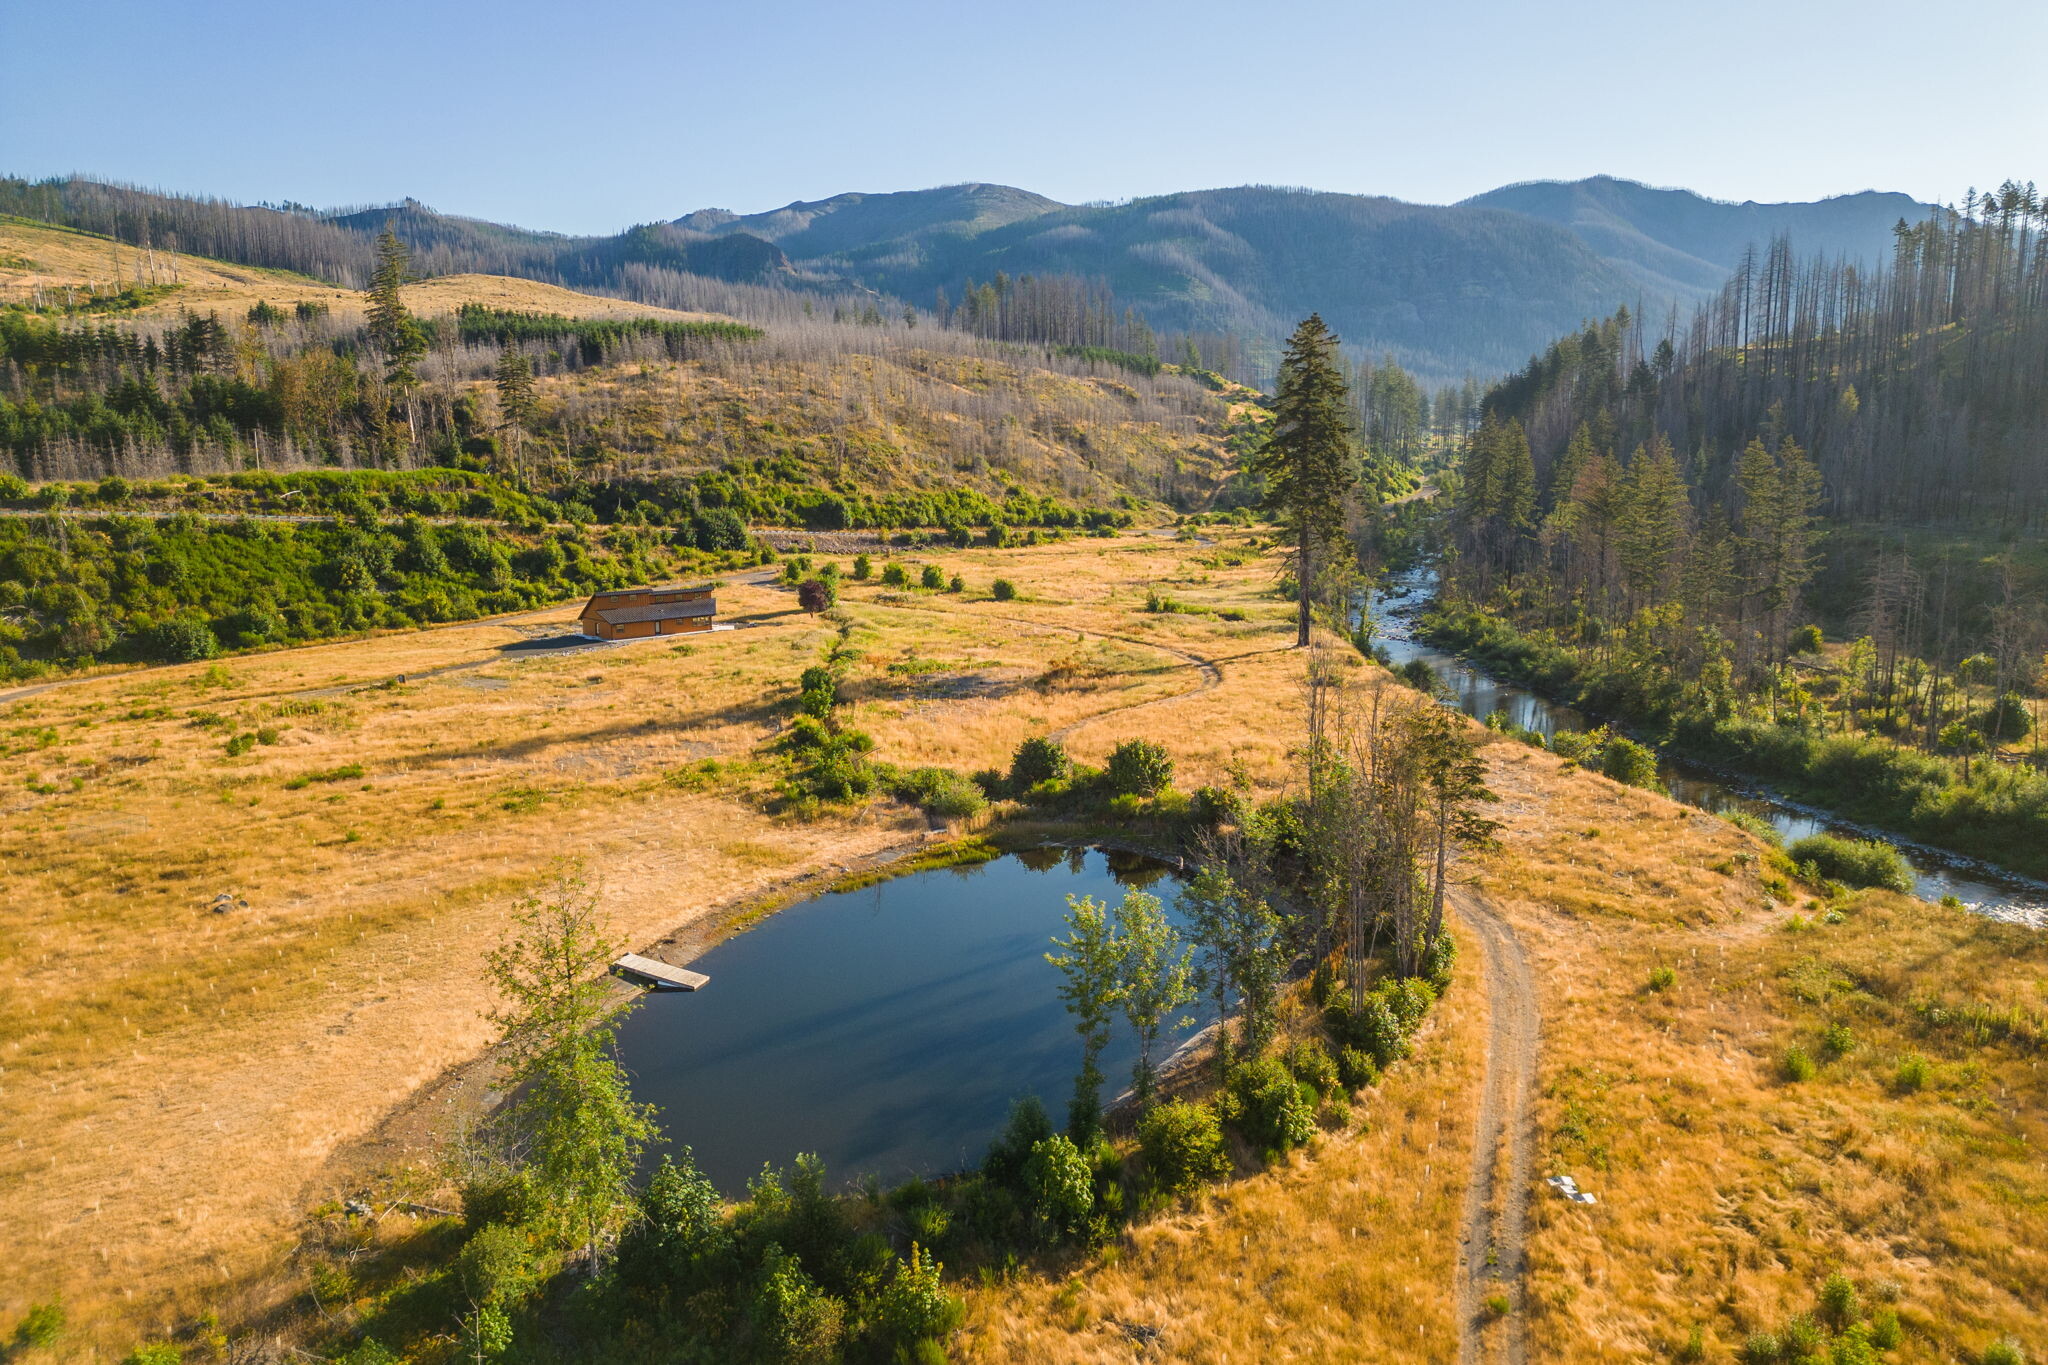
<point>1936,874</point>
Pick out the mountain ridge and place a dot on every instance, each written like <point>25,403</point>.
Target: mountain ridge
<point>1451,290</point>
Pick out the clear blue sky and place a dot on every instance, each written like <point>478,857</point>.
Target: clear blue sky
<point>588,115</point>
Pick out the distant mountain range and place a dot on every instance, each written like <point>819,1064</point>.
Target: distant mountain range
<point>1476,286</point>
<point>1470,288</point>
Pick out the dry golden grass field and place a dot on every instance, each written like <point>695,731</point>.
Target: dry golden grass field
<point>178,1086</point>
<point>39,257</point>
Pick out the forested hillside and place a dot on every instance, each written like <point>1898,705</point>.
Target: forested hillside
<point>1662,530</point>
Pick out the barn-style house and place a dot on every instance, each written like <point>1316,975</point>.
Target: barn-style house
<point>634,613</point>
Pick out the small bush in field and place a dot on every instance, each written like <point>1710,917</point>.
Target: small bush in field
<point>933,578</point>
<point>1662,979</point>
<point>956,584</point>
<point>1274,1113</point>
<point>1800,1339</point>
<point>1856,862</point>
<point>915,1306</point>
<point>1795,1065</point>
<point>1138,767</point>
<point>1037,760</point>
<point>1884,1330</point>
<point>2003,1353</point>
<point>39,1328</point>
<point>895,576</point>
<point>1913,1073</point>
<point>1762,1348</point>
<point>1837,1040</point>
<point>1840,1305</point>
<point>1183,1145</point>
<point>1003,590</point>
<point>863,568</point>
<point>1060,1186</point>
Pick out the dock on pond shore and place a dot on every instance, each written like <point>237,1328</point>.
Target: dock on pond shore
<point>659,975</point>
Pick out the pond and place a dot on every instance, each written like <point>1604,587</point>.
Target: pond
<point>1478,694</point>
<point>887,1029</point>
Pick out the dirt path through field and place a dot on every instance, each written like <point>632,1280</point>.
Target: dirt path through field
<point>1493,1262</point>
<point>1209,671</point>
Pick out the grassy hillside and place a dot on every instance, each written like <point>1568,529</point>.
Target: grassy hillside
<point>68,271</point>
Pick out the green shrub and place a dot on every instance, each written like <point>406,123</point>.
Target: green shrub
<point>1663,979</point>
<point>1037,760</point>
<point>1420,676</point>
<point>1272,1111</point>
<point>1356,1069</point>
<point>1884,1330</point>
<point>1762,1348</point>
<point>1027,1127</point>
<point>486,1332</point>
<point>1795,1065</point>
<point>154,1353</point>
<point>1439,959</point>
<point>807,733</point>
<point>1857,862</point>
<point>1003,590</point>
<point>940,791</point>
<point>1755,824</point>
<point>2006,1352</point>
<point>1840,1305</point>
<point>895,576</point>
<point>1806,640</point>
<point>1800,1339</point>
<point>915,1306</point>
<point>1138,767</point>
<point>793,1319</point>
<point>1311,1064</point>
<point>1183,1146</point>
<point>182,640</point>
<point>42,1324</point>
<point>932,578</point>
<point>863,568</point>
<point>1060,1186</point>
<point>1913,1073</point>
<point>1837,1041</point>
<point>1626,761</point>
<point>496,1265</point>
<point>681,1240</point>
<point>1574,745</point>
<point>956,584</point>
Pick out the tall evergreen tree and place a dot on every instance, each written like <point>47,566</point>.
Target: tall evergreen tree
<point>515,398</point>
<point>1308,461</point>
<point>394,332</point>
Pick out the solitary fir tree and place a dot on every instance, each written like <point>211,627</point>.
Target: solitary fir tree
<point>394,331</point>
<point>515,400</point>
<point>1307,461</point>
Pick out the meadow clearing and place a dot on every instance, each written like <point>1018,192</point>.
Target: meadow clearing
<point>181,1085</point>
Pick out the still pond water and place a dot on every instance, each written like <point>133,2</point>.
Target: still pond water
<point>1478,694</point>
<point>889,1029</point>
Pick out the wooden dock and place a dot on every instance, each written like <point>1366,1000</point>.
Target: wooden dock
<point>659,975</point>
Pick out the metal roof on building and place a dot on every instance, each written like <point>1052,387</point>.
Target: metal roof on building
<point>660,611</point>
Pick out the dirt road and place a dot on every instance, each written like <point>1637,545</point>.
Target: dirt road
<point>1492,1263</point>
